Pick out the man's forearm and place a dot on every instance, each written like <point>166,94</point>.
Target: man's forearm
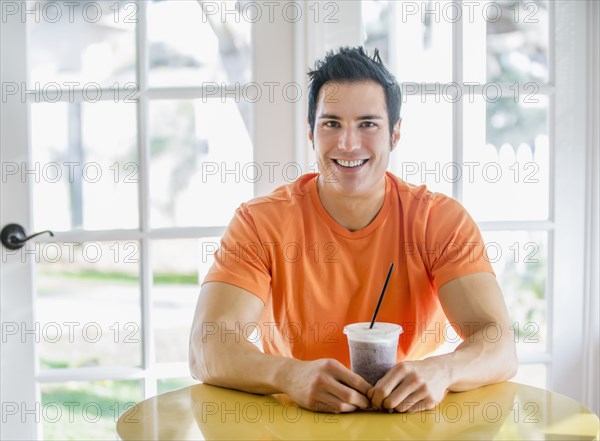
<point>238,365</point>
<point>479,361</point>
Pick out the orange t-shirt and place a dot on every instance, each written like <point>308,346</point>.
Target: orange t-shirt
<point>314,276</point>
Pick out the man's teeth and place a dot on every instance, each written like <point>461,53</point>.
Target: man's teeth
<point>350,163</point>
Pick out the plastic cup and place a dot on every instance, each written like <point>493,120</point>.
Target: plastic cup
<point>372,351</point>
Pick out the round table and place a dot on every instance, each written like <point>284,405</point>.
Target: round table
<point>501,411</point>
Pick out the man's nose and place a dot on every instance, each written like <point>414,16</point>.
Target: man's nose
<point>349,139</point>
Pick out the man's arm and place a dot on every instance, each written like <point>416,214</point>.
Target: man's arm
<point>475,306</point>
<point>223,357</point>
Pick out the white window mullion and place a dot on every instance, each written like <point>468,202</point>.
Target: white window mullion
<point>271,131</point>
<point>128,94</point>
<point>536,358</point>
<point>137,235</point>
<point>393,67</point>
<point>550,334</point>
<point>117,373</point>
<point>457,105</point>
<point>524,225</point>
<point>567,141</point>
<point>143,194</point>
<point>301,65</point>
<point>94,373</point>
<point>591,365</point>
<point>550,274</point>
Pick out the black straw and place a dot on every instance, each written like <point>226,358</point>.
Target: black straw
<point>387,279</point>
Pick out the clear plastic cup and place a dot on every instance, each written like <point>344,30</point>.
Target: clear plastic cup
<point>372,351</point>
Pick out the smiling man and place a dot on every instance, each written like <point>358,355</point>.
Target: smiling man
<point>297,265</point>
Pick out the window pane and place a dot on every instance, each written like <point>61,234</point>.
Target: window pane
<point>517,41</point>
<point>423,155</point>
<point>201,162</point>
<point>88,304</point>
<point>506,158</point>
<point>190,44</point>
<point>169,384</point>
<point>376,28</point>
<point>178,268</point>
<point>422,46</point>
<point>85,165</point>
<point>86,410</point>
<point>520,261</point>
<point>87,43</point>
<point>532,374</point>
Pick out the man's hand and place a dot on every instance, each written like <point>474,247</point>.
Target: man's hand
<point>326,385</point>
<point>474,300</point>
<point>411,386</point>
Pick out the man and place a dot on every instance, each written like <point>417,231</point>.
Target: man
<point>312,257</point>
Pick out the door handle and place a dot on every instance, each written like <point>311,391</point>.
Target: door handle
<point>13,236</point>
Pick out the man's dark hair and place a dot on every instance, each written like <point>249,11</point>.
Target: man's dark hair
<point>352,65</point>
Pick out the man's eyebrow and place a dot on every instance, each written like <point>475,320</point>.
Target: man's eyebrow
<point>370,117</point>
<point>362,117</point>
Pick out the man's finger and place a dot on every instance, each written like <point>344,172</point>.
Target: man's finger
<point>403,392</point>
<point>353,380</point>
<point>387,384</point>
<point>348,395</point>
<point>331,404</point>
<point>408,403</point>
<point>422,405</point>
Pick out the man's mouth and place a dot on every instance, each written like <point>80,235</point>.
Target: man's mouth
<point>350,164</point>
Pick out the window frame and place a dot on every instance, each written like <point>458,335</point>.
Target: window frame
<point>22,379</point>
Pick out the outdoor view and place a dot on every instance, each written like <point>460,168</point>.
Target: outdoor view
<point>82,284</point>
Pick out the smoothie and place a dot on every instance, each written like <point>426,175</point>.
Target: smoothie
<point>372,351</point>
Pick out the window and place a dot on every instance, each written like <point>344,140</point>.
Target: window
<point>128,116</point>
<point>480,99</point>
<point>481,94</point>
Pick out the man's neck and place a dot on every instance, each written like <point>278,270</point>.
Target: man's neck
<point>352,212</point>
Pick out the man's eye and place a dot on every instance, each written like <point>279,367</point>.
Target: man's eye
<point>369,124</point>
<point>331,124</point>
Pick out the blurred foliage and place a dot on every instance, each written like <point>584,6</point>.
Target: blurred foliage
<point>169,384</point>
<point>525,292</point>
<point>517,56</point>
<point>105,399</point>
<point>94,407</point>
<point>509,122</point>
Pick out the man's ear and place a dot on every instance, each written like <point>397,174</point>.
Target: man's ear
<point>396,134</point>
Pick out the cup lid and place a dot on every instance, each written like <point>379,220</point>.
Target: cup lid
<point>381,331</point>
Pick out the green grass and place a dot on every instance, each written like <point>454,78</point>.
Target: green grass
<point>175,279</point>
<point>104,276</point>
<point>53,364</point>
<point>56,364</point>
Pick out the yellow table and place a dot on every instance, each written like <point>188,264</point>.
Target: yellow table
<point>501,411</point>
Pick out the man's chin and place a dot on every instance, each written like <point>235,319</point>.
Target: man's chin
<point>346,189</point>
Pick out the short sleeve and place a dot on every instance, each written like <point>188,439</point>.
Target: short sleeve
<point>454,245</point>
<point>241,259</point>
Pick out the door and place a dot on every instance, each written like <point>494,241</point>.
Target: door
<point>127,130</point>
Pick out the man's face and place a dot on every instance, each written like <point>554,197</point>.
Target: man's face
<point>351,137</point>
